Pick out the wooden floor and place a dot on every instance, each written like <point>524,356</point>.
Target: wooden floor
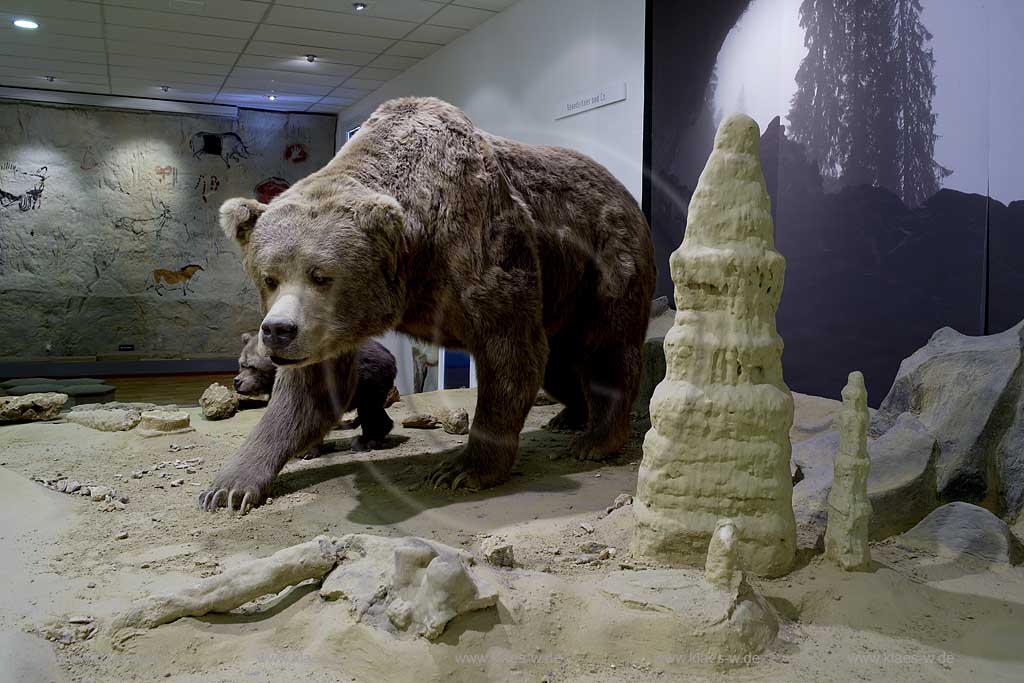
<point>165,389</point>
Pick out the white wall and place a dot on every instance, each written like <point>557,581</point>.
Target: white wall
<point>510,74</point>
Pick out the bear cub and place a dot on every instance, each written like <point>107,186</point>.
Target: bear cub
<point>375,389</point>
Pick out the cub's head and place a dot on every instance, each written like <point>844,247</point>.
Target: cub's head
<point>255,371</point>
<point>326,262</point>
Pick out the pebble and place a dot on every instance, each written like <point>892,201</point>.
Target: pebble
<point>621,500</point>
<point>121,536</point>
<point>177,482</point>
<point>589,528</point>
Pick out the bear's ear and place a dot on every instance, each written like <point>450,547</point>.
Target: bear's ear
<point>246,336</point>
<point>238,217</point>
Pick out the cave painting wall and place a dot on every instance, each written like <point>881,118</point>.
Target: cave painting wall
<point>891,149</point>
<point>108,225</point>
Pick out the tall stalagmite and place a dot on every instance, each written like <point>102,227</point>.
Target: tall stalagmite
<point>719,445</point>
<point>849,509</point>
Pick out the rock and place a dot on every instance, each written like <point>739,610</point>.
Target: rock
<point>849,510</point>
<point>117,405</point>
<point>163,422</point>
<point>177,482</point>
<point>409,584</point>
<point>422,421</point>
<point>588,528</point>
<point>455,421</point>
<point>121,536</point>
<point>621,500</point>
<point>99,493</point>
<point>959,528</point>
<point>967,392</point>
<point>721,569</point>
<point>651,374</point>
<point>498,552</point>
<point>106,420</point>
<point>592,547</point>
<point>719,445</point>
<point>218,402</point>
<point>31,407</point>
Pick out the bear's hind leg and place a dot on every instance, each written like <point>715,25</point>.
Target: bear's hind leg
<point>612,379</point>
<point>376,425</point>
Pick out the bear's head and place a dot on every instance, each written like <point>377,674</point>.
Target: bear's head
<point>256,372</point>
<point>325,257</point>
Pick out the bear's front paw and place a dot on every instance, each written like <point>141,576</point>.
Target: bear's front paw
<point>473,468</point>
<point>363,443</point>
<point>237,487</point>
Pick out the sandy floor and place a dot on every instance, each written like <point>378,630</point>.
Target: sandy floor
<point>913,618</point>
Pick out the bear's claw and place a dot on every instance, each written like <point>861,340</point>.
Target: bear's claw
<point>211,500</point>
<point>450,475</point>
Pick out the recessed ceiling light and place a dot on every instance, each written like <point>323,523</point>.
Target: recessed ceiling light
<point>51,79</point>
<point>271,97</point>
<point>359,6</point>
<point>310,58</point>
<point>164,88</point>
<point>26,23</point>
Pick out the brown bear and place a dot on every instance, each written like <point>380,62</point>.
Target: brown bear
<point>534,259</point>
<point>374,393</point>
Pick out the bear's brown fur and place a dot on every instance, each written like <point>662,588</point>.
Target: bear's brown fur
<point>535,259</point>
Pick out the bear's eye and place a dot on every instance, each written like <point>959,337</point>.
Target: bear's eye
<point>319,279</point>
<point>269,282</point>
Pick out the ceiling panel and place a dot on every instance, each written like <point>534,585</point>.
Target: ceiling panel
<point>408,48</point>
<point>66,27</point>
<point>204,28</point>
<point>338,22</point>
<point>229,51</point>
<point>176,38</point>
<point>61,84</point>
<point>323,54</point>
<point>298,65</point>
<point>335,41</point>
<point>393,62</point>
<point>440,35</point>
<point>40,10</point>
<point>415,11</point>
<point>178,64</point>
<point>460,17</point>
<point>12,36</point>
<point>493,5</point>
<point>243,10</point>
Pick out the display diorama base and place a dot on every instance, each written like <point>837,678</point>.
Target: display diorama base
<point>573,606</point>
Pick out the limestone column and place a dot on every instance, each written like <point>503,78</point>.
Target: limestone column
<point>719,442</point>
<point>849,508</point>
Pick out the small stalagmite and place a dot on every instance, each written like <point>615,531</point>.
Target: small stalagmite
<point>721,569</point>
<point>719,442</point>
<point>849,509</point>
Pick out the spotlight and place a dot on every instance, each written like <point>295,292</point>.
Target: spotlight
<point>359,6</point>
<point>271,97</point>
<point>26,23</point>
<point>310,58</point>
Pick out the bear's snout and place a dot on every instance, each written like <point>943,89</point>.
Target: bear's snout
<point>238,383</point>
<point>278,332</point>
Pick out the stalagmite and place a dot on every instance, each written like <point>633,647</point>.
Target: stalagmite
<point>722,569</point>
<point>849,509</point>
<point>719,443</point>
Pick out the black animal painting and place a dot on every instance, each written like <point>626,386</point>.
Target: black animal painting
<point>227,146</point>
<point>28,199</point>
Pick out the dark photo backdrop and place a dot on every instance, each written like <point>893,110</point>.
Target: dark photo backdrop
<point>891,150</point>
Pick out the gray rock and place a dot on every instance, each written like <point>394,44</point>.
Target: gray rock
<point>31,407</point>
<point>104,420</point>
<point>498,552</point>
<point>420,422</point>
<point>455,421</point>
<point>218,402</point>
<point>967,393</point>
<point>651,375</point>
<point>164,422</point>
<point>99,493</point>
<point>901,481</point>
<point>961,528</point>
<point>112,405</point>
